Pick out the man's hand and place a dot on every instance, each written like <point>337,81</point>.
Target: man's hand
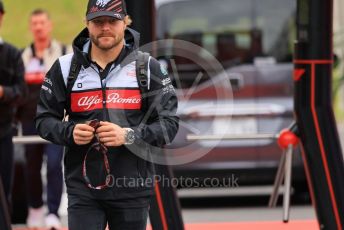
<point>83,134</point>
<point>111,134</point>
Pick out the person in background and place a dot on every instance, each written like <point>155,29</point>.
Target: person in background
<point>12,89</point>
<point>38,57</point>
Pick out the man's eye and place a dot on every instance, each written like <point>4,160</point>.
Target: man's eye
<point>101,22</point>
<point>97,22</point>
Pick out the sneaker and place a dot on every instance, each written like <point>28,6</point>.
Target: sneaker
<point>35,218</point>
<point>52,222</point>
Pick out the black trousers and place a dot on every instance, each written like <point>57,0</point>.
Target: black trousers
<point>6,164</point>
<point>90,214</point>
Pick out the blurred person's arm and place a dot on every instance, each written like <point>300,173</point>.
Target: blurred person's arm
<point>1,91</point>
<point>17,90</point>
<point>50,109</point>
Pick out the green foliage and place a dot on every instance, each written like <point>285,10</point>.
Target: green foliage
<point>67,16</point>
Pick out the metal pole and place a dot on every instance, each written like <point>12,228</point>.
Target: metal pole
<point>287,183</point>
<point>263,136</point>
<point>278,181</point>
<point>29,140</point>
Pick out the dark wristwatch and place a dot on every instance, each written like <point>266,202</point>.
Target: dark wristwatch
<point>129,136</point>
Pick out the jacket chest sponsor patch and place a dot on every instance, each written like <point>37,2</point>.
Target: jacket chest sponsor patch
<point>129,99</point>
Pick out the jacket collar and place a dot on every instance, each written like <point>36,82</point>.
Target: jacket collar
<point>82,43</point>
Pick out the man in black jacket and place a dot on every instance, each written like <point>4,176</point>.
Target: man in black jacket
<point>108,176</point>
<point>12,88</point>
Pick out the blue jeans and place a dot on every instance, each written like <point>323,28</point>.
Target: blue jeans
<point>34,159</point>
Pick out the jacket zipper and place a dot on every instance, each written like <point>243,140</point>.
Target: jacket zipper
<point>105,115</point>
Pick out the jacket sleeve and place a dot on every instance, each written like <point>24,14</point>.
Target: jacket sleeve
<point>160,123</point>
<point>14,93</point>
<point>50,109</point>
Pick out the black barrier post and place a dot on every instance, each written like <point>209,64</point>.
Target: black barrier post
<point>143,15</point>
<point>165,212</point>
<point>5,223</point>
<point>322,153</point>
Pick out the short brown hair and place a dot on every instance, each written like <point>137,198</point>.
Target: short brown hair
<point>2,8</point>
<point>39,11</point>
<point>127,20</point>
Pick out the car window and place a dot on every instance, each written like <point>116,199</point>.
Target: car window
<point>231,28</point>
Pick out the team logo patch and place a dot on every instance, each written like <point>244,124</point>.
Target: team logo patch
<point>163,69</point>
<point>117,15</point>
<point>102,3</point>
<point>128,99</point>
<point>166,81</point>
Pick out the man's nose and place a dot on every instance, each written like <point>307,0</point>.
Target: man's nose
<point>38,27</point>
<point>106,25</point>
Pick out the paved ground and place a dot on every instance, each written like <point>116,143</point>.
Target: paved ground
<point>294,225</point>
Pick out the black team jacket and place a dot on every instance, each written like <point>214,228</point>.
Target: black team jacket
<point>110,95</point>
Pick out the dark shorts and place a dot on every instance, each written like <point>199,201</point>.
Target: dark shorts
<point>89,214</point>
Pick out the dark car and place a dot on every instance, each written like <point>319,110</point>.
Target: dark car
<point>253,94</point>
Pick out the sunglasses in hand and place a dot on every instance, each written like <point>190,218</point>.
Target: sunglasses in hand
<point>97,146</point>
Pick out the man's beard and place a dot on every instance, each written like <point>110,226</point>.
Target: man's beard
<point>117,39</point>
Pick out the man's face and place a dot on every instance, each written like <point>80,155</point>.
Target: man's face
<point>40,26</point>
<point>106,32</point>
